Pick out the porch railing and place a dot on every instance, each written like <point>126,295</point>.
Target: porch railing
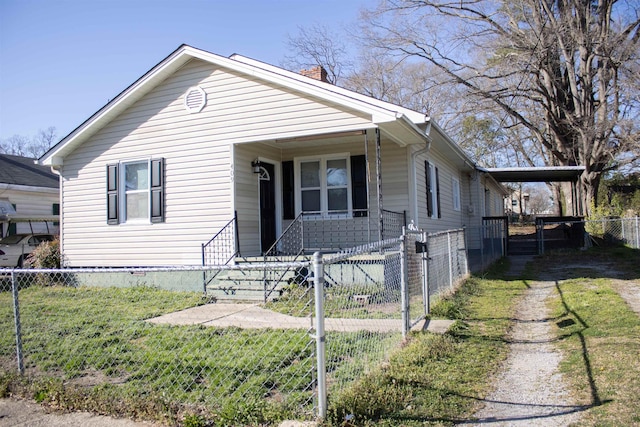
<point>325,232</point>
<point>290,243</point>
<point>224,246</point>
<point>392,223</point>
<point>288,248</point>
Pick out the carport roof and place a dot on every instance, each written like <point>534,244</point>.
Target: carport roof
<point>536,174</point>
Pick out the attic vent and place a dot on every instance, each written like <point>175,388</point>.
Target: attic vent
<point>195,99</point>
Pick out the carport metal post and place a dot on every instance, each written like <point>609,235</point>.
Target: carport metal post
<point>16,315</point>
<point>318,275</point>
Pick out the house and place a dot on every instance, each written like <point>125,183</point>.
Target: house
<point>206,146</point>
<point>29,197</point>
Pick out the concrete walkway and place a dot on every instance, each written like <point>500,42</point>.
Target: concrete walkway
<point>252,316</point>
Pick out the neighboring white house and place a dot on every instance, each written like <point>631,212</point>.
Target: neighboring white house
<point>203,139</point>
<point>29,196</point>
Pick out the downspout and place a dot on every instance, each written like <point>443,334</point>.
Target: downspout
<point>414,172</point>
<point>57,169</point>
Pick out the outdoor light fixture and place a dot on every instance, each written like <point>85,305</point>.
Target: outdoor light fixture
<point>256,166</point>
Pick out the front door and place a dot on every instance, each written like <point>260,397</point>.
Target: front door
<point>267,206</point>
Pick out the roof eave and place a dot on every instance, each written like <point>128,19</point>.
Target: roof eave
<point>55,156</point>
<point>379,111</point>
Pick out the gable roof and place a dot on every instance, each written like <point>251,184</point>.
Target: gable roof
<point>398,120</point>
<point>17,170</point>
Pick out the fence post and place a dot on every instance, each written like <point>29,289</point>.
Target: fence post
<point>637,235</point>
<point>318,274</point>
<point>482,228</point>
<point>450,260</point>
<point>16,315</point>
<point>467,268</point>
<point>425,274</point>
<point>404,283</point>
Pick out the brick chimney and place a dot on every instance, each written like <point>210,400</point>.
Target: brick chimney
<point>317,72</point>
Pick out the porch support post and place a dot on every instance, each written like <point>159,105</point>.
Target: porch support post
<point>368,172</point>
<point>379,185</point>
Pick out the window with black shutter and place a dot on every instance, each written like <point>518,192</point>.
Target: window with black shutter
<point>135,192</point>
<point>427,175</point>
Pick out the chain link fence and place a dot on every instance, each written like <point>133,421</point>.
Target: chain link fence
<point>143,335</point>
<point>492,246</point>
<point>554,234</point>
<point>150,335</point>
<point>616,230</point>
<point>448,263</point>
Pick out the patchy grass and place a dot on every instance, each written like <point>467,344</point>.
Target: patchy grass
<point>433,380</point>
<point>436,379</point>
<point>599,334</point>
<point>90,349</point>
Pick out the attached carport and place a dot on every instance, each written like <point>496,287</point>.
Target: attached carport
<point>566,226</point>
<point>570,174</point>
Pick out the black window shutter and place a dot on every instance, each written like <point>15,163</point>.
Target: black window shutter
<point>112,194</point>
<point>427,176</point>
<point>157,190</point>
<point>288,191</point>
<point>438,194</point>
<point>359,185</point>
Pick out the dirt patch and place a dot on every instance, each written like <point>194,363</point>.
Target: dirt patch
<point>93,378</point>
<point>629,290</point>
<point>593,269</point>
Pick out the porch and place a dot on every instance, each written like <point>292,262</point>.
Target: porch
<point>308,233</point>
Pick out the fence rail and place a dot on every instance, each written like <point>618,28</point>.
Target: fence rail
<point>151,333</point>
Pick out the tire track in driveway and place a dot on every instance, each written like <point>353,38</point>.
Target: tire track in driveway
<point>630,292</point>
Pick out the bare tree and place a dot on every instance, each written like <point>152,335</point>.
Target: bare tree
<point>17,145</point>
<point>562,72</point>
<point>20,145</point>
<point>43,141</point>
<point>314,46</point>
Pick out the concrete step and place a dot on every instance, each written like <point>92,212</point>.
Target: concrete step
<point>248,285</point>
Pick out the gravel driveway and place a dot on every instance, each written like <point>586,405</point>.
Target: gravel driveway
<point>529,391</point>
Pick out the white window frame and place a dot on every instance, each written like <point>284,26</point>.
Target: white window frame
<point>122,192</point>
<point>455,184</point>
<point>324,188</point>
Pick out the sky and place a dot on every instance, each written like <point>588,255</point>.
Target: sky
<point>62,60</point>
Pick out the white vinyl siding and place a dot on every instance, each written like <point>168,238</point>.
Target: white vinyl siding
<point>246,192</point>
<point>450,217</point>
<point>36,201</point>
<point>199,174</point>
<point>455,184</point>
